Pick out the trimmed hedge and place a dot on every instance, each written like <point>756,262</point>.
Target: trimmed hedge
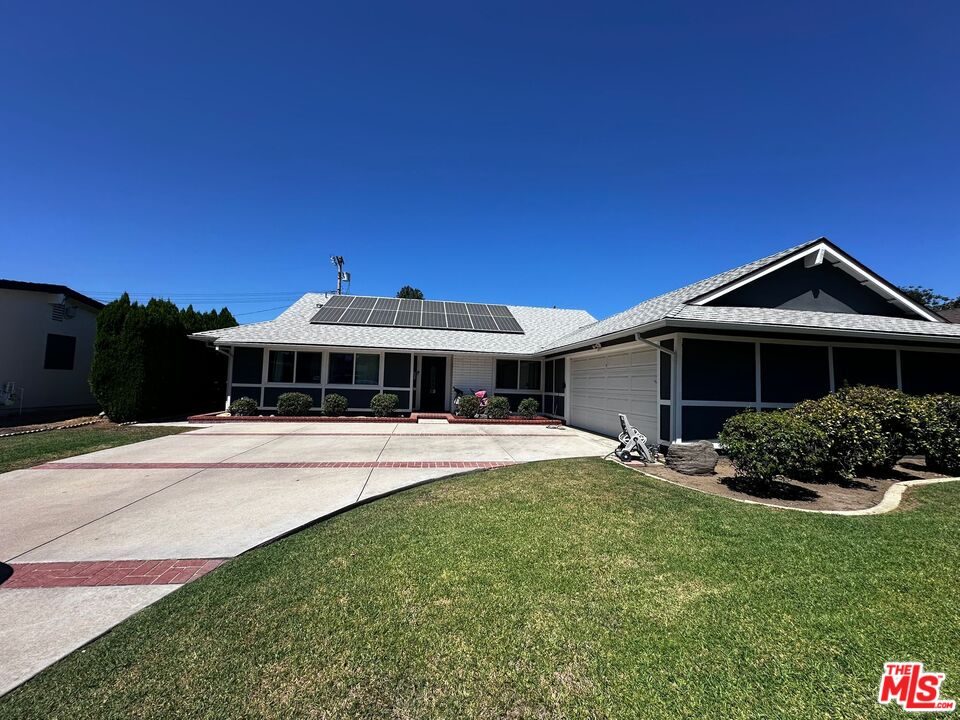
<point>294,403</point>
<point>765,445</point>
<point>468,406</point>
<point>145,366</point>
<point>498,407</point>
<point>528,408</point>
<point>853,432</point>
<point>384,404</point>
<point>244,406</point>
<point>334,404</point>
<point>938,431</point>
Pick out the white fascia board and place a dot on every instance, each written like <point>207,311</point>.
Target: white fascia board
<point>815,255</point>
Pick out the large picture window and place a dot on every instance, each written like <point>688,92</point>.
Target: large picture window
<point>280,368</point>
<point>518,374</point>
<point>354,369</point>
<point>367,370</point>
<point>341,369</point>
<point>309,367</point>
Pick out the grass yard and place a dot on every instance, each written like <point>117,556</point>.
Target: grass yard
<point>23,451</point>
<point>567,589</point>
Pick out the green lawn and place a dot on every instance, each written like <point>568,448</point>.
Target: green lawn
<point>22,451</point>
<point>568,589</point>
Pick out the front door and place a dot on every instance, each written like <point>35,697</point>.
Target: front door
<point>433,380</point>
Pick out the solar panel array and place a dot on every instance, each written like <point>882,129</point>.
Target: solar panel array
<point>430,314</point>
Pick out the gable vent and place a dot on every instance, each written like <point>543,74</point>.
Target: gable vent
<point>59,312</point>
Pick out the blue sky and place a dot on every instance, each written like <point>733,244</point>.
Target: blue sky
<point>586,155</point>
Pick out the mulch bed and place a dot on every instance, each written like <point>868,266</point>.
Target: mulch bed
<point>856,494</point>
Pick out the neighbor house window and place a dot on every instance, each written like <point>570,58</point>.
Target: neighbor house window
<point>309,367</point>
<point>354,369</point>
<point>60,352</point>
<point>281,366</point>
<point>518,374</point>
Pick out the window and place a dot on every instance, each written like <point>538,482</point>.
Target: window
<point>280,367</point>
<point>248,365</point>
<point>529,375</point>
<point>864,366</point>
<point>507,374</point>
<point>518,374</point>
<point>60,352</point>
<point>396,370</point>
<point>309,367</point>
<point>368,370</point>
<point>341,369</point>
<point>718,370</point>
<point>354,369</point>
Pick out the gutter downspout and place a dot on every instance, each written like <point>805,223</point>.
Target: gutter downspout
<point>655,346</point>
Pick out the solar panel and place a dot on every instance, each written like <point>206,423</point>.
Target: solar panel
<point>456,321</point>
<point>407,318</point>
<point>383,318</point>
<point>328,314</point>
<point>355,316</point>
<point>364,302</point>
<point>434,319</point>
<point>406,312</point>
<point>340,301</point>
<point>508,324</point>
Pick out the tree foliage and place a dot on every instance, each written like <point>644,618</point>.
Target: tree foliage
<point>145,366</point>
<point>930,298</point>
<point>410,293</point>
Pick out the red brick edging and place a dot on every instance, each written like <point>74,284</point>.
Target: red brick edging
<point>418,464</point>
<point>108,572</point>
<point>412,418</point>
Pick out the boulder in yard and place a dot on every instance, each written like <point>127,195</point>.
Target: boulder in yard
<point>697,458</point>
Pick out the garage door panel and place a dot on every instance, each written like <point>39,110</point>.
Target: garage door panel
<point>601,387</point>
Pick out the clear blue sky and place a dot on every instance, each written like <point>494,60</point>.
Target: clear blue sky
<point>587,155</point>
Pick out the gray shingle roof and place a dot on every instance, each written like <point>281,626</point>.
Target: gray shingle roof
<point>540,325</point>
<point>772,317</point>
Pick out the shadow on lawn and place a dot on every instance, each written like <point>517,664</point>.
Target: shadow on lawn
<point>770,489</point>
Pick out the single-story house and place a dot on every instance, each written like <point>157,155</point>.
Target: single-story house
<point>47,350</point>
<point>768,334</point>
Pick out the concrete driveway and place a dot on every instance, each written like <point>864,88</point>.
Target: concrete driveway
<point>96,537</point>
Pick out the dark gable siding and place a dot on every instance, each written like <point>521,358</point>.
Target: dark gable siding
<point>822,288</point>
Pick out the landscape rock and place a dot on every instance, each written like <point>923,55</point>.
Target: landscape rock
<point>697,458</point>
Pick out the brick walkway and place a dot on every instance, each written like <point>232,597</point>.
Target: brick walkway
<point>108,572</point>
<point>451,464</point>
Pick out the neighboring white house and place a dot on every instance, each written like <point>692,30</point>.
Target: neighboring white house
<point>795,325</point>
<point>47,348</point>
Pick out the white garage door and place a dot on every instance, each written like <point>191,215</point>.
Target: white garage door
<point>602,386</point>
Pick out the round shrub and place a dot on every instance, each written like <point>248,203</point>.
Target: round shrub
<point>469,406</point>
<point>384,404</point>
<point>894,412</point>
<point>243,406</point>
<point>854,438</point>
<point>294,403</point>
<point>528,408</point>
<point>765,445</point>
<point>498,407</point>
<point>334,404</point>
<point>938,431</point>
